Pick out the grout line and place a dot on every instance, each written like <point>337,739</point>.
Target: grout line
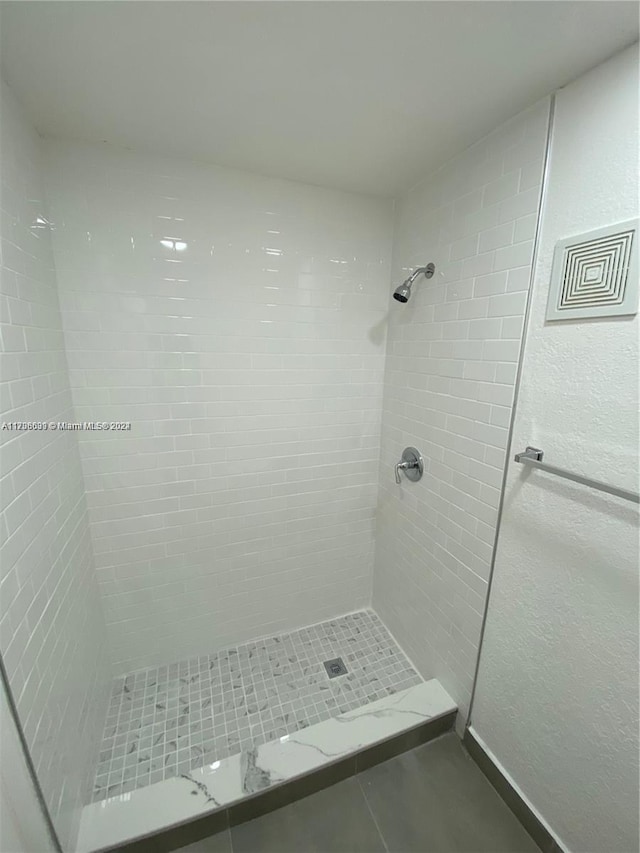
<point>371,812</point>
<point>395,640</point>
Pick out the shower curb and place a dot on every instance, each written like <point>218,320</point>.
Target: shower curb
<point>197,828</point>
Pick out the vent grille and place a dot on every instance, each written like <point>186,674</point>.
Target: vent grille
<point>595,277</point>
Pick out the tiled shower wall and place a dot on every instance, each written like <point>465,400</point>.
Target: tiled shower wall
<point>452,354</point>
<point>52,631</point>
<point>238,323</point>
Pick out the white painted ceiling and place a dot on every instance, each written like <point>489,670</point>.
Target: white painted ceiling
<point>365,96</point>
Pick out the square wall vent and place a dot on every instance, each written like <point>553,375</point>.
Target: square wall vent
<point>595,274</point>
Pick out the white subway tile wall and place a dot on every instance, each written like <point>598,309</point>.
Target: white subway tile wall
<point>452,354</point>
<point>238,323</point>
<point>52,630</point>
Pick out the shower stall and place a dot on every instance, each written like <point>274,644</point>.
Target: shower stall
<point>251,481</point>
<point>233,387</point>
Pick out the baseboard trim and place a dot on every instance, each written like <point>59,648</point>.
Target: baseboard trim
<point>536,828</point>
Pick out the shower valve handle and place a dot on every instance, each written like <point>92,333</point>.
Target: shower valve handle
<point>400,465</point>
<point>411,463</point>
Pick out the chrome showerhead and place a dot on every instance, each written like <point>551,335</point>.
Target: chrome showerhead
<point>403,292</point>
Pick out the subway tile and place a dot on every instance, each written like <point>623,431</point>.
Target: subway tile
<point>467,203</point>
<point>507,305</point>
<point>518,278</point>
<point>501,350</point>
<point>53,631</point>
<point>525,228</point>
<point>472,309</point>
<point>432,565</point>
<point>517,255</point>
<point>465,248</point>
<point>477,265</point>
<point>503,187</point>
<point>496,238</point>
<point>455,292</point>
<point>488,285</point>
<point>506,373</point>
<point>512,328</point>
<point>483,329</point>
<point>522,204</point>
<point>192,353</point>
<point>530,175</point>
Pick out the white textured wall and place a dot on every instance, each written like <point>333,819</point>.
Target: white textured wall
<point>52,632</point>
<point>249,359</point>
<point>557,695</point>
<point>451,364</point>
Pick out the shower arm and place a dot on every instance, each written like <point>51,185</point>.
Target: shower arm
<point>427,271</point>
<point>414,275</point>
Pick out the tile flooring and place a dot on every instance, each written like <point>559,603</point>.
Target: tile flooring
<point>167,720</point>
<point>432,799</point>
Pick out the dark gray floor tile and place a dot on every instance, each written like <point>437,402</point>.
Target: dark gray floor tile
<point>405,741</point>
<point>435,799</point>
<point>529,820</point>
<point>218,843</point>
<point>291,792</point>
<point>335,820</point>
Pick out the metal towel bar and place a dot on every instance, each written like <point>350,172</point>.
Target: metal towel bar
<point>533,456</point>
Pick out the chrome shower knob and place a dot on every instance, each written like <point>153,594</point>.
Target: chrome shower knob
<point>411,463</point>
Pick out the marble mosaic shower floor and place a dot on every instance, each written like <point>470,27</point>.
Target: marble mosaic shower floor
<point>165,721</point>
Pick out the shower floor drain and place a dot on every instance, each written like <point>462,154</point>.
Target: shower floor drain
<point>335,667</point>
